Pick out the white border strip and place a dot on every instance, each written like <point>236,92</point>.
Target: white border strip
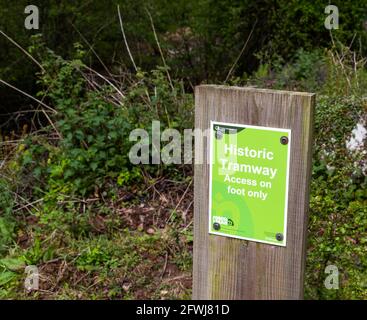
<point>211,182</point>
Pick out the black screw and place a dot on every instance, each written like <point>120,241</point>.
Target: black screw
<point>216,226</point>
<point>284,140</point>
<point>279,236</point>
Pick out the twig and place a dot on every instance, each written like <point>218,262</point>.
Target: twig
<point>81,278</point>
<point>184,276</point>
<point>86,201</point>
<point>186,211</point>
<point>154,183</point>
<point>60,274</point>
<point>187,189</point>
<point>160,49</point>
<point>184,229</point>
<point>52,261</point>
<point>123,34</point>
<point>23,199</point>
<point>11,141</point>
<point>91,48</point>
<point>29,96</point>
<point>105,79</point>
<point>29,204</point>
<point>340,61</point>
<point>21,112</point>
<point>52,124</point>
<point>164,64</point>
<point>241,52</point>
<point>94,284</point>
<point>40,102</point>
<point>165,266</point>
<point>23,50</point>
<point>97,87</point>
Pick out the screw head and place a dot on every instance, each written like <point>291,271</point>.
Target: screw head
<point>216,226</point>
<point>284,140</point>
<point>279,236</point>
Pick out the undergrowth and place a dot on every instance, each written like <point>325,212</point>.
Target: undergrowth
<point>73,204</point>
<point>98,227</point>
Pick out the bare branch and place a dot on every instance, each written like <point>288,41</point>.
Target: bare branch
<point>123,34</point>
<point>160,49</point>
<point>29,96</point>
<point>23,50</point>
<point>91,48</point>
<point>105,79</point>
<point>242,50</point>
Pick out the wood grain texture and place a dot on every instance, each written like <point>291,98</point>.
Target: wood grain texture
<point>227,268</point>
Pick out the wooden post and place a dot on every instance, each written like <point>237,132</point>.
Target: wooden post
<point>227,268</point>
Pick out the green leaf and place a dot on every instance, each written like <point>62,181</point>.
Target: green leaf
<point>12,264</point>
<point>94,166</point>
<point>6,277</point>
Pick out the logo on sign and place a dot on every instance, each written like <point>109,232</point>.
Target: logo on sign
<point>223,221</point>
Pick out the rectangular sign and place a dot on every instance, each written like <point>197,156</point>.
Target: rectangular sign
<point>249,168</point>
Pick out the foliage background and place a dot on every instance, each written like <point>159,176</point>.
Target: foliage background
<point>98,227</point>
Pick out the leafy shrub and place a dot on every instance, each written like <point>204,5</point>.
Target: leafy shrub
<point>95,124</point>
<point>307,71</point>
<point>338,212</point>
<point>7,223</point>
<point>83,151</point>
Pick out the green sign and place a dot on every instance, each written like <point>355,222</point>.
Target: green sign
<point>249,167</point>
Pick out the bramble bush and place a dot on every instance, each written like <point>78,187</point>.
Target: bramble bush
<point>338,207</point>
<point>84,151</point>
<point>66,177</point>
<point>95,124</point>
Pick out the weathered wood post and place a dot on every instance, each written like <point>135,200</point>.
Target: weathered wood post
<point>251,200</point>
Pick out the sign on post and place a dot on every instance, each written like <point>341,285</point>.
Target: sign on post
<point>249,182</point>
<point>251,192</point>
